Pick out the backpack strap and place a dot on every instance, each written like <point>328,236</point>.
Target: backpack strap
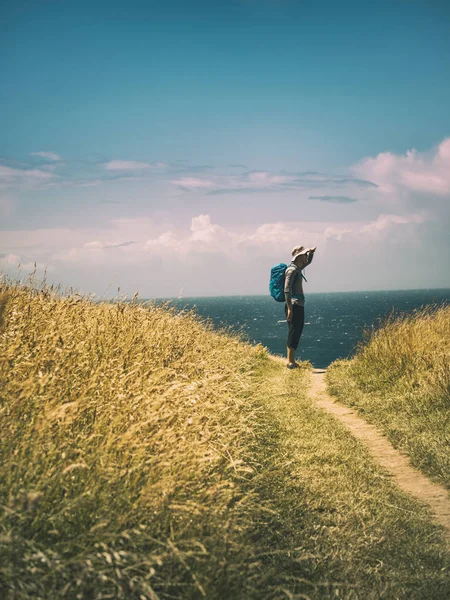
<point>299,270</point>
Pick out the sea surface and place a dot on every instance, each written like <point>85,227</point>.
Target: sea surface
<point>334,322</point>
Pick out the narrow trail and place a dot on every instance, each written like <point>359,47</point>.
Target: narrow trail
<point>407,477</point>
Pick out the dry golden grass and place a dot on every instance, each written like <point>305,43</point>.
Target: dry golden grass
<point>145,456</point>
<point>400,380</point>
<point>125,433</point>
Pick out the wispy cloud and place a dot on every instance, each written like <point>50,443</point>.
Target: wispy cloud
<point>191,183</point>
<point>204,179</point>
<point>17,177</point>
<point>238,190</point>
<point>337,199</point>
<point>385,222</point>
<point>47,155</point>
<point>10,173</point>
<point>266,181</point>
<point>132,165</point>
<point>97,244</point>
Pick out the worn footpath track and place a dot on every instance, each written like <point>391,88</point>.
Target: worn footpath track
<point>407,477</point>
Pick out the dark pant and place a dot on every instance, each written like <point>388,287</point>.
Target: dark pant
<point>296,325</point>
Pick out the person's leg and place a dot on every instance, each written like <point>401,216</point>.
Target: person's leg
<point>295,332</point>
<point>293,336</point>
<point>291,356</point>
<point>299,321</point>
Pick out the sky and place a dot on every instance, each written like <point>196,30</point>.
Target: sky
<point>184,148</point>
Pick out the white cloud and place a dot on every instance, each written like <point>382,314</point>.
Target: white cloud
<point>386,222</point>
<point>97,244</point>
<point>22,177</point>
<point>48,155</point>
<point>202,236</point>
<point>16,263</point>
<point>414,171</point>
<point>168,242</point>
<point>193,183</point>
<point>345,257</point>
<point>405,208</point>
<point>204,231</point>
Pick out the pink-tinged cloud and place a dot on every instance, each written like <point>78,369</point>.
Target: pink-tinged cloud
<point>336,233</point>
<point>131,165</point>
<point>386,222</point>
<point>48,155</point>
<point>414,171</point>
<point>101,255</point>
<point>204,237</point>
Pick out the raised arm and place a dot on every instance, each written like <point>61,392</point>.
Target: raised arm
<point>310,256</point>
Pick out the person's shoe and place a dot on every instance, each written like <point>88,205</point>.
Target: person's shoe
<point>292,366</point>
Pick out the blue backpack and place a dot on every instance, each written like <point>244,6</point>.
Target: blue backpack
<point>276,283</point>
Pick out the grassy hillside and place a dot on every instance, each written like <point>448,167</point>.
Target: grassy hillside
<point>126,434</point>
<point>145,456</point>
<point>400,380</point>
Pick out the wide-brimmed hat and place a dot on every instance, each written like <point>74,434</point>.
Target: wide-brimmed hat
<point>297,251</point>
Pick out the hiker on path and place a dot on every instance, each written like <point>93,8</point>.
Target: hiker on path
<point>295,299</point>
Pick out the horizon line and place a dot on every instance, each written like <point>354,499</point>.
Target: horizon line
<point>307,295</point>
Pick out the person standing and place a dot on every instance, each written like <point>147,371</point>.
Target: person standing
<point>295,299</point>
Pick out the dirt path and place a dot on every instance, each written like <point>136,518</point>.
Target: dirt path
<point>408,478</point>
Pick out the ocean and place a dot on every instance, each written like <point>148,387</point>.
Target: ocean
<point>334,322</point>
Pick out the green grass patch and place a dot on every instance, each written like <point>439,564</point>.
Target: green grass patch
<point>369,539</point>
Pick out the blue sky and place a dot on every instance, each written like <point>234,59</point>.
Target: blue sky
<point>139,135</point>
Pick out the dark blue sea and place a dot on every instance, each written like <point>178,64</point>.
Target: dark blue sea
<point>334,322</point>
